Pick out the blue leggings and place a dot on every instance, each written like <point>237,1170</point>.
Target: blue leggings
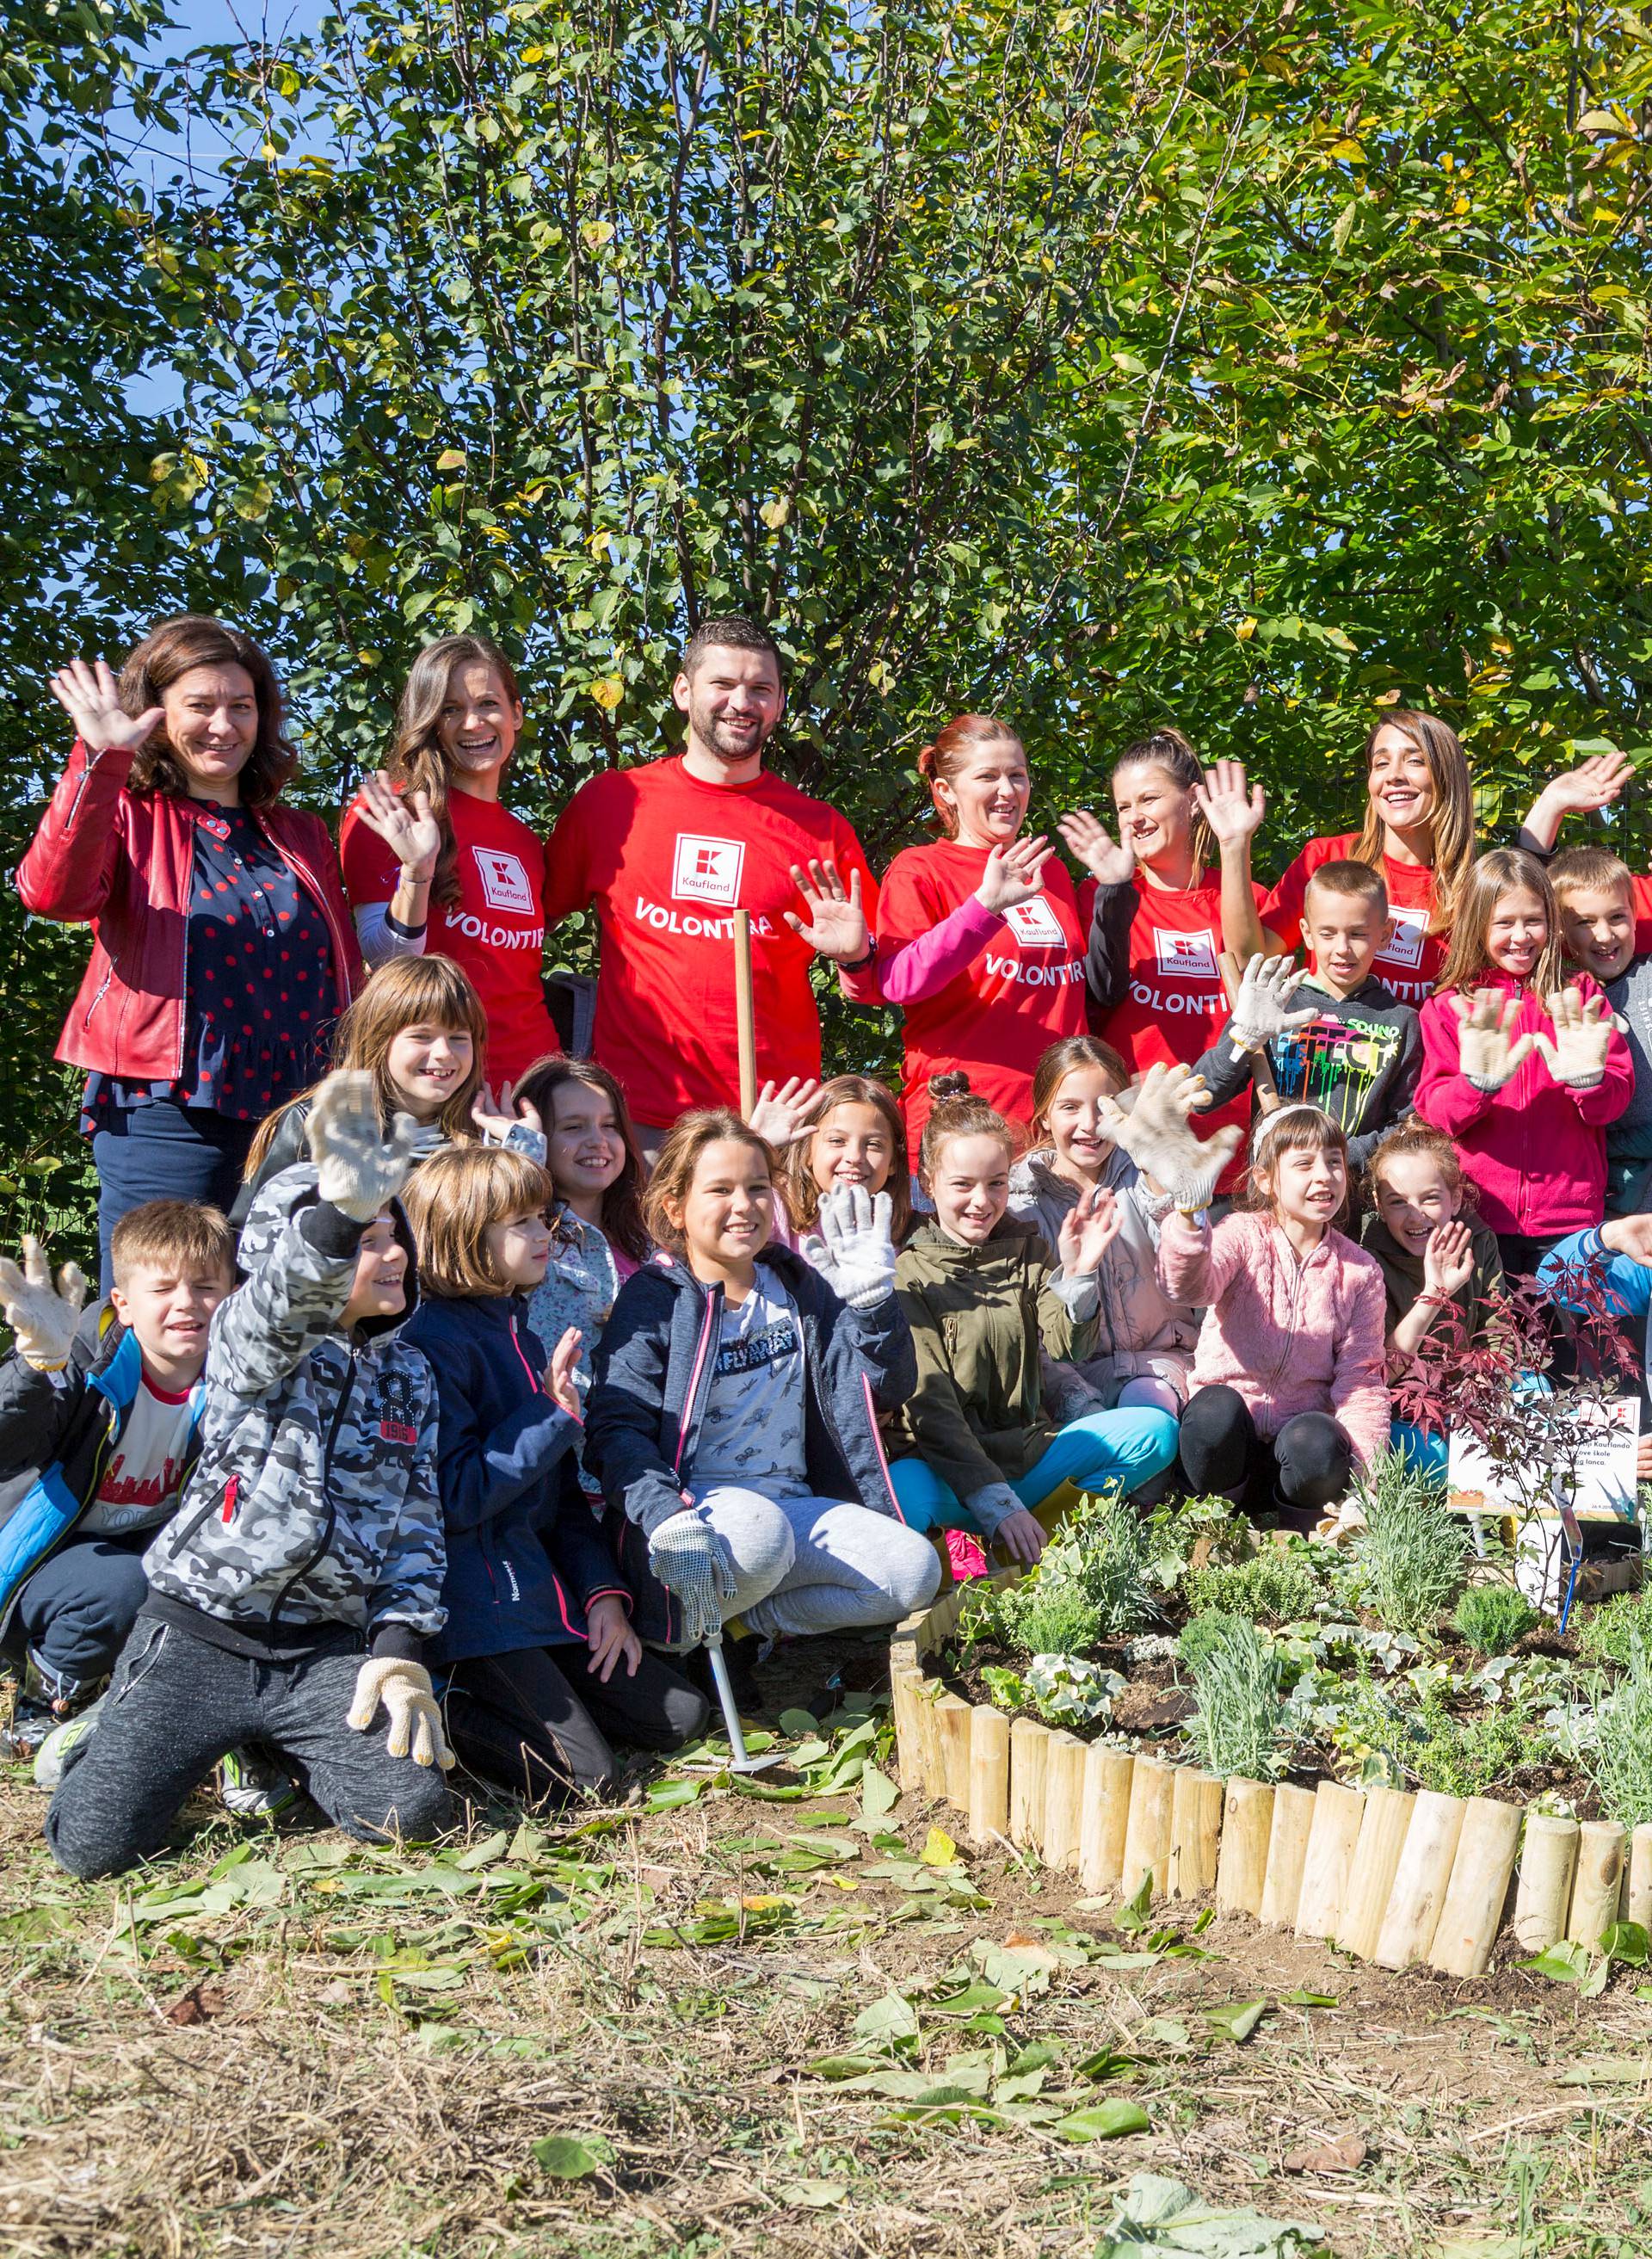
<point>1128,1448</point>
<point>1423,1454</point>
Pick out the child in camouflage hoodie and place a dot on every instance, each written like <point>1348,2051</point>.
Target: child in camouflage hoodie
<point>291,1593</point>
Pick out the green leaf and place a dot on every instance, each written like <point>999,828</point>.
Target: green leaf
<point>877,1795</point>
<point>1308,2000</point>
<point>887,2021</point>
<point>1237,2021</point>
<point>1103,2122</point>
<point>1626,1942</point>
<point>566,2158</point>
<point>814,2195</point>
<point>1563,1963</point>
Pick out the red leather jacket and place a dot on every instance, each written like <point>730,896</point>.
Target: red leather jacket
<point>120,862</point>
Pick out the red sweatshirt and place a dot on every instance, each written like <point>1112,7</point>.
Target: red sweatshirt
<point>1535,1150</point>
<point>666,860</point>
<point>1408,963</point>
<point>1012,986</point>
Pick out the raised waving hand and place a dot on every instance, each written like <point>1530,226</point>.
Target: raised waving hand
<point>1156,1135</point>
<point>89,693</point>
<point>1488,1050</point>
<point>1091,844</point>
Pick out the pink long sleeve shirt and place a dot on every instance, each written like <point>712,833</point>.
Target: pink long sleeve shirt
<point>1290,1333</point>
<point>1535,1150</point>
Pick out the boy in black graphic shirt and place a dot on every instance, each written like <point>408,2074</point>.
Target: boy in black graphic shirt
<point>1334,1036</point>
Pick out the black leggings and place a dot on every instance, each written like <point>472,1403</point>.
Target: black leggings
<point>1295,1473</point>
<point>516,1720</point>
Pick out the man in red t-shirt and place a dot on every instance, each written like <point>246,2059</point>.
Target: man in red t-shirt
<point>667,851</point>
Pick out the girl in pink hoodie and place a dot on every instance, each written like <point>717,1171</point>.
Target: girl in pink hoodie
<point>1525,1074</point>
<point>1288,1387</point>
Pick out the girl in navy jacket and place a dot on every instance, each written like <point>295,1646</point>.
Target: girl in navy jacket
<point>542,1666</point>
<point>733,1418</point>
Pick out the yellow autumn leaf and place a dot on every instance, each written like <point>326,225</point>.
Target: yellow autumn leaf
<point>940,1851</point>
<point>451,460</point>
<point>774,513</point>
<point>1246,629</point>
<point>607,690</point>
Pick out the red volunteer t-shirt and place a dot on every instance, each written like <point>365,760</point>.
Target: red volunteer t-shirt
<point>666,860</point>
<point>1023,992</point>
<point>1177,1005</point>
<point>1409,962</point>
<point>495,931</point>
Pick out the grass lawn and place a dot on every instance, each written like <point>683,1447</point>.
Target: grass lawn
<point>747,2024</point>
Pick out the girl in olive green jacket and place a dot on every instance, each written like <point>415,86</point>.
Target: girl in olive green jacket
<point>984,1294</point>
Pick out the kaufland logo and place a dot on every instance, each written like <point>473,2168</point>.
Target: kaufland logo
<point>708,870</point>
<point>1189,955</point>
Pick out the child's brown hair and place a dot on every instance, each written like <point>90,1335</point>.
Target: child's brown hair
<point>1299,1129</point>
<point>1415,1141</point>
<point>168,1233</point>
<point>408,992</point>
<point>1060,1060</point>
<point>673,1176</point>
<point>453,1199</point>
<point>622,1202</point>
<point>1578,868</point>
<point>1349,876</point>
<point>956,1112</point>
<point>802,1194</point>
<point>1502,872</point>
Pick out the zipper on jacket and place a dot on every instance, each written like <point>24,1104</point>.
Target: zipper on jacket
<point>102,991</point>
<point>331,1521</point>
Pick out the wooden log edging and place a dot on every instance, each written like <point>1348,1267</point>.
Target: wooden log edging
<point>1396,1879</point>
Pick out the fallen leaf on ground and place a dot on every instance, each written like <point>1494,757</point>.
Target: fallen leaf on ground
<point>198,2006</point>
<point>1345,2154</point>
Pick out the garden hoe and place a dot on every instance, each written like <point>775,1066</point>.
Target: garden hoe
<point>741,1760</point>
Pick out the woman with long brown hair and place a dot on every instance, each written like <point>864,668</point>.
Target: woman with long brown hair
<point>222,947</point>
<point>1419,832</point>
<point>432,856</point>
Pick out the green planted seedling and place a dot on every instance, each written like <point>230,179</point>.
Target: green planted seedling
<point>1275,1587</point>
<point>1609,1633</point>
<point>1411,1555</point>
<point>1068,1689</point>
<point>1491,1617</point>
<point>1620,1763</point>
<point>1238,1726</point>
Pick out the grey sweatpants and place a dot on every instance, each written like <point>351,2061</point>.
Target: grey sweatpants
<point>175,1705</point>
<point>813,1564</point>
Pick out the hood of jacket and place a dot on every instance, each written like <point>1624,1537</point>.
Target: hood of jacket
<point>932,1255</point>
<point>287,1195</point>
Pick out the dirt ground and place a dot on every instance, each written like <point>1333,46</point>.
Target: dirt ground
<point>272,2041</point>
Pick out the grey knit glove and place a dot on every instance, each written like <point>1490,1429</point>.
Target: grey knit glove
<point>358,1171</point>
<point>686,1555</point>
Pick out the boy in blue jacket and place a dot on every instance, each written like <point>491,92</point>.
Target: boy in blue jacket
<point>98,1422</point>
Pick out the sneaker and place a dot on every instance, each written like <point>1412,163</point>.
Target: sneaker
<point>253,1786</point>
<point>66,1736</point>
<point>31,1722</point>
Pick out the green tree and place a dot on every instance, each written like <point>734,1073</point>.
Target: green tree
<point>84,554</point>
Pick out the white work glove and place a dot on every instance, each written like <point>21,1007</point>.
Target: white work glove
<point>1259,1011</point>
<point>1157,1135</point>
<point>1488,1051</point>
<point>686,1555</point>
<point>409,1702</point>
<point>358,1170</point>
<point>853,1249</point>
<point>43,1321</point>
<point>1582,1036</point>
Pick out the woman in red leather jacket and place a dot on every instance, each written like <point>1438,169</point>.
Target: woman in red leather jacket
<point>222,947</point>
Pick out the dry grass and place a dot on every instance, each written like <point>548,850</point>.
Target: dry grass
<point>334,2098</point>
